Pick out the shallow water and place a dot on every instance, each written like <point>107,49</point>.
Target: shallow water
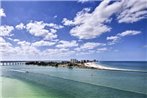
<point>50,82</point>
<point>129,65</point>
<point>52,87</point>
<point>15,88</point>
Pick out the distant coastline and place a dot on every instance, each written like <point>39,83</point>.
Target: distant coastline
<point>69,64</point>
<point>73,63</point>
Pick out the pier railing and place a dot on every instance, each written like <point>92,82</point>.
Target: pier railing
<point>5,63</point>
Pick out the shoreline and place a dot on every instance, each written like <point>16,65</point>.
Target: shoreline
<point>101,67</point>
<point>78,64</point>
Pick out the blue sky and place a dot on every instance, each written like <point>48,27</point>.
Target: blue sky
<point>61,30</point>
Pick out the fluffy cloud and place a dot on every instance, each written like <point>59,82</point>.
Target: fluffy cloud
<point>83,1</point>
<point>26,48</point>
<point>2,14</point>
<point>102,49</point>
<point>23,49</point>
<point>67,44</point>
<point>46,30</point>
<point>6,48</point>
<point>6,30</point>
<point>20,26</point>
<point>89,46</point>
<point>114,39</point>
<point>50,36</point>
<point>55,16</point>
<point>132,11</point>
<point>40,29</point>
<point>129,32</point>
<point>16,40</point>
<point>55,26</point>
<point>3,43</point>
<point>43,43</point>
<point>67,22</point>
<point>60,52</point>
<point>90,25</point>
<point>24,43</point>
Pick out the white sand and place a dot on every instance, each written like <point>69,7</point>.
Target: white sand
<point>98,66</point>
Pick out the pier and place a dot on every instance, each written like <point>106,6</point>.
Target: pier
<point>6,63</point>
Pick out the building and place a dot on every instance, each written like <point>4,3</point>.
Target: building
<point>73,60</point>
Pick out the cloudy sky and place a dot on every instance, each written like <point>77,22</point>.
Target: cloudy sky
<point>62,30</point>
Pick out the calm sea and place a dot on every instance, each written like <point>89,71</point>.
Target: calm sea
<point>58,82</point>
<point>128,65</point>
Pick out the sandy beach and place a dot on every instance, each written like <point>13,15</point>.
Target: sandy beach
<point>98,66</point>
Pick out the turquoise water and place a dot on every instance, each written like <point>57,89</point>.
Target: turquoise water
<point>130,65</point>
<point>79,83</point>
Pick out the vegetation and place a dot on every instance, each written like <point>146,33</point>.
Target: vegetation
<point>68,64</point>
<point>55,64</point>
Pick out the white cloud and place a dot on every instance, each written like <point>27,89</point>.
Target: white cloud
<point>113,39</point>
<point>67,22</point>
<point>85,32</point>
<point>80,17</point>
<point>20,26</point>
<point>116,38</point>
<point>86,53</point>
<point>38,29</point>
<point>132,11</point>
<point>16,40</point>
<point>5,47</point>
<point>90,25</point>
<point>3,43</point>
<point>89,46</point>
<point>11,39</point>
<point>43,43</point>
<point>24,43</point>
<point>102,49</point>
<point>2,13</point>
<point>24,49</point>
<point>55,16</point>
<point>6,30</point>
<point>42,29</point>
<point>28,51</point>
<point>60,52</point>
<point>129,32</point>
<point>83,1</point>
<point>55,26</point>
<point>50,36</point>
<point>67,44</point>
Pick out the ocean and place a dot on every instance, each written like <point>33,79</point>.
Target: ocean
<point>30,81</point>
